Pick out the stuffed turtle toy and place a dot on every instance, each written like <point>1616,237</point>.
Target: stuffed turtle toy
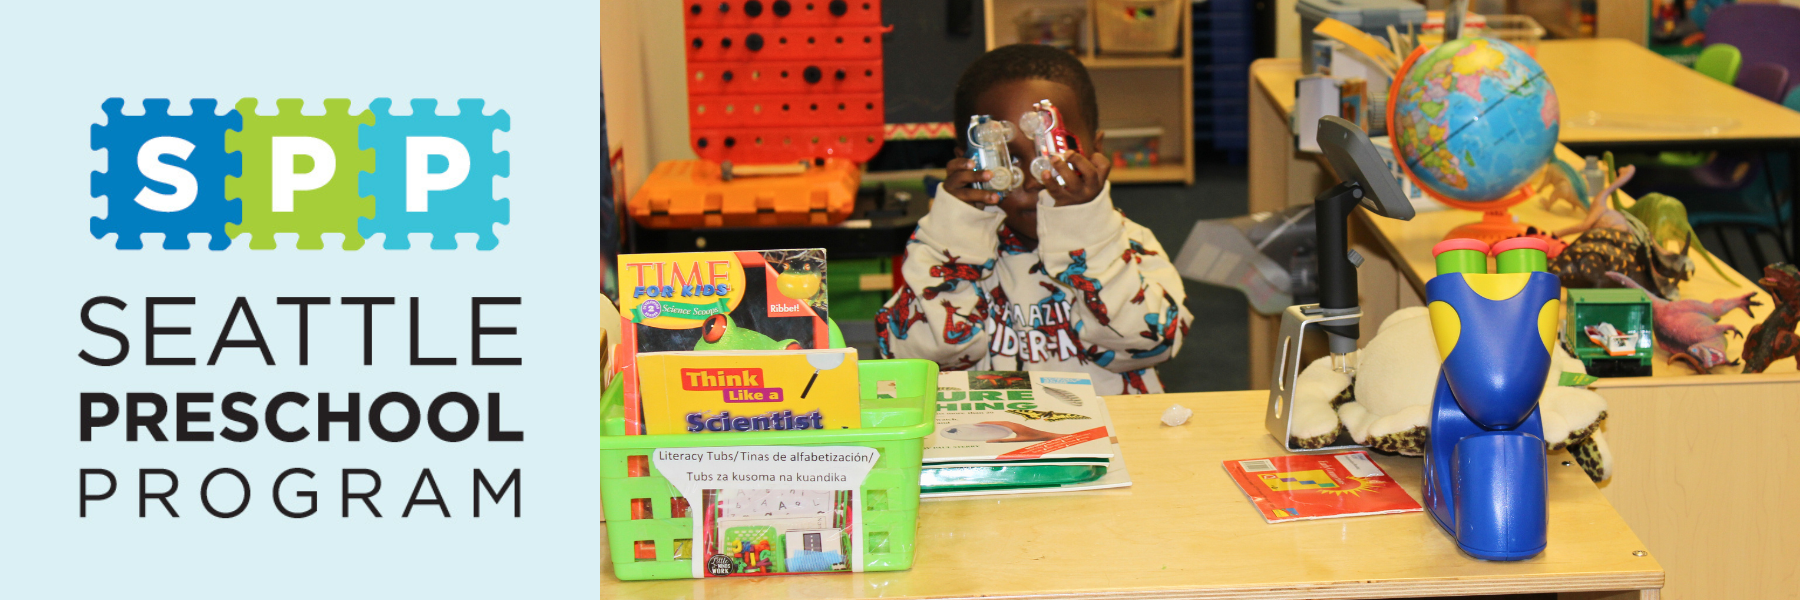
<point>1387,405</point>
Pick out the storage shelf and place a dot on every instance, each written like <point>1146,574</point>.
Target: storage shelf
<point>1155,88</point>
<point>1133,62</point>
<point>1165,173</point>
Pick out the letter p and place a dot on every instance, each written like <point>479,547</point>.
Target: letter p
<point>89,420</point>
<point>420,181</point>
<point>283,181</point>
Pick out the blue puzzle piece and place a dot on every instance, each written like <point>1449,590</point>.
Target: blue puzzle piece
<point>123,136</point>
<point>467,208</point>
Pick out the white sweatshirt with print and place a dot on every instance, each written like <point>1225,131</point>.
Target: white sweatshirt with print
<point>1099,295</point>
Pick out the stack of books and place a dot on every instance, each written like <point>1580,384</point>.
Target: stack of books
<point>1010,432</point>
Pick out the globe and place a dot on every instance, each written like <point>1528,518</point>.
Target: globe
<point>1472,120</point>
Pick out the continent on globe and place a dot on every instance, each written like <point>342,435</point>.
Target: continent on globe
<point>1474,119</point>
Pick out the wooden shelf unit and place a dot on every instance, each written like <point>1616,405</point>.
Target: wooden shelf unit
<point>1163,173</point>
<point>1130,62</point>
<point>1130,88</point>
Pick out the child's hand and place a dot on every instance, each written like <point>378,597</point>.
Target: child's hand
<point>1082,178</point>
<point>960,180</point>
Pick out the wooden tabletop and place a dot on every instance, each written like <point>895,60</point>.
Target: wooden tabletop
<point>1184,530</point>
<point>1639,96</point>
<point>1275,78</point>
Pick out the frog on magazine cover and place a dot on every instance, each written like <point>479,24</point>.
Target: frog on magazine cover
<point>721,333</point>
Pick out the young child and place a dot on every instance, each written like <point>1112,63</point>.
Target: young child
<point>1047,277</point>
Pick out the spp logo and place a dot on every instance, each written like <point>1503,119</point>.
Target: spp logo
<point>362,175</point>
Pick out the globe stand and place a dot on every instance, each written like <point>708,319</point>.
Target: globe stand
<point>1495,225</point>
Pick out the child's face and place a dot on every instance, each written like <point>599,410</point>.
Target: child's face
<point>1013,98</point>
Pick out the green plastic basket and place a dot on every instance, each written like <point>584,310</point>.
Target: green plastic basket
<point>895,426</point>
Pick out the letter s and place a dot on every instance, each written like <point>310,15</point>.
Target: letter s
<point>87,320</point>
<point>186,187</point>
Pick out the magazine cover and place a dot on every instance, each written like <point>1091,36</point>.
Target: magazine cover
<point>762,300</point>
<point>1019,416</point>
<point>1318,486</point>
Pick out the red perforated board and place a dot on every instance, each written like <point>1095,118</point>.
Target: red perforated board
<point>784,80</point>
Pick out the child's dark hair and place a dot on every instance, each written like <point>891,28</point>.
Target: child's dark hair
<point>1024,61</point>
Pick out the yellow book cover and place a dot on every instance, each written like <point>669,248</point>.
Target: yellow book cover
<point>771,390</point>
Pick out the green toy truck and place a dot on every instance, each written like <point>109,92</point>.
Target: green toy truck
<point>1627,311</point>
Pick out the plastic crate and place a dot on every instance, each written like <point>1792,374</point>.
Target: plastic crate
<point>859,286</point>
<point>1520,30</point>
<point>1371,16</point>
<point>890,495</point>
<point>1138,26</point>
<point>684,194</point>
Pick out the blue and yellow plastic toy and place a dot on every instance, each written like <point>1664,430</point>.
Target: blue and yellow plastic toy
<point>1486,476</point>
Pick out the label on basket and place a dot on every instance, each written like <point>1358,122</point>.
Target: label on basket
<point>766,510</point>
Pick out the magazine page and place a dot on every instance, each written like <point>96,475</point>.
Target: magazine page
<point>1018,415</point>
<point>1318,486</point>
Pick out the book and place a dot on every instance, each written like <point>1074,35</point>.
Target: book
<point>1318,486</point>
<point>1020,431</point>
<point>762,300</point>
<point>749,390</point>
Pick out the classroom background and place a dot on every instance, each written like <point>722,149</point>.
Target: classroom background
<point>1212,114</point>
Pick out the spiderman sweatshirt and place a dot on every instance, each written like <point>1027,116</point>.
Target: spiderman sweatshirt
<point>1099,295</point>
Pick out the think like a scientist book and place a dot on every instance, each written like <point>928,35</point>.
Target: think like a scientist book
<point>742,391</point>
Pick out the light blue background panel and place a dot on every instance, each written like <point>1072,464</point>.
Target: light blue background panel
<point>537,61</point>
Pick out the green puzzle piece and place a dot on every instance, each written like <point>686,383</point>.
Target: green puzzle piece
<point>330,208</point>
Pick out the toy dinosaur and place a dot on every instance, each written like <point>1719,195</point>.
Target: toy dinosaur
<point>1631,241</point>
<point>1690,329</point>
<point>1663,218</point>
<point>1562,183</point>
<point>1585,262</point>
<point>1598,213</point>
<point>1774,338</point>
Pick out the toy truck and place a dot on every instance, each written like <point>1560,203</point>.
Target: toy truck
<point>1610,331</point>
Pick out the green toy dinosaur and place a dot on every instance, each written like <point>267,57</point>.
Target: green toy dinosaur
<point>1663,218</point>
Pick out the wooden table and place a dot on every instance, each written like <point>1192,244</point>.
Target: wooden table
<point>1619,78</point>
<point>1183,530</point>
<point>1614,81</point>
<point>1681,443</point>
